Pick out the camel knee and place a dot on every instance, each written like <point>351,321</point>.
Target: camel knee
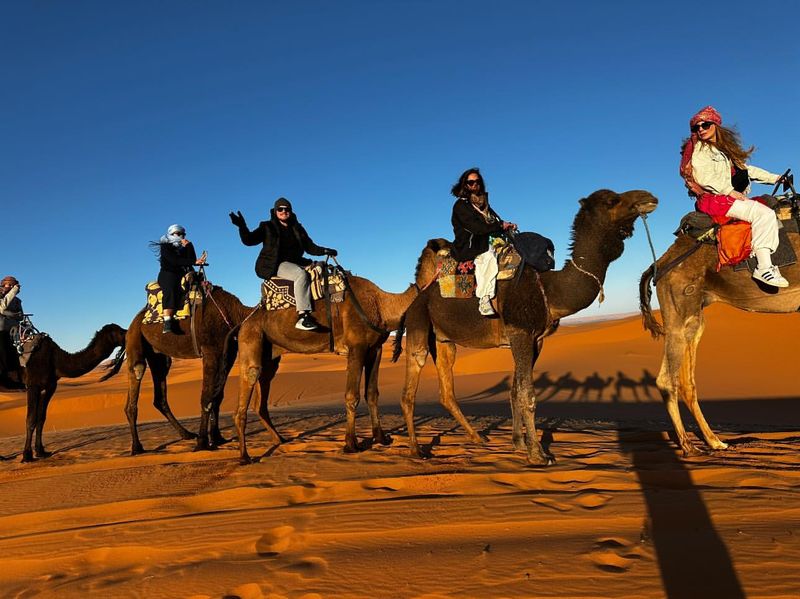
<point>420,356</point>
<point>251,375</point>
<point>138,371</point>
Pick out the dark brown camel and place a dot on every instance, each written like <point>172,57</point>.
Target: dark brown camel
<point>48,363</point>
<point>148,346</point>
<point>683,292</point>
<point>436,325</point>
<point>269,334</point>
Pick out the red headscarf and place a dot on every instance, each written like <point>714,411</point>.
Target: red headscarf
<point>710,114</point>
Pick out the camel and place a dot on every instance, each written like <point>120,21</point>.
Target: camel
<point>47,363</point>
<point>683,292</point>
<point>146,345</point>
<point>529,308</point>
<point>269,334</point>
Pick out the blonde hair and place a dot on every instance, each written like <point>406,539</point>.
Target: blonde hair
<point>729,143</point>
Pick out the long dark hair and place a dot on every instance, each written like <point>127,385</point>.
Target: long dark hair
<point>729,142</point>
<point>459,190</point>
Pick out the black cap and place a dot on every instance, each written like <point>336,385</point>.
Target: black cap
<point>283,202</point>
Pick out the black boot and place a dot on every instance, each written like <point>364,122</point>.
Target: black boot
<point>171,326</point>
<point>307,322</point>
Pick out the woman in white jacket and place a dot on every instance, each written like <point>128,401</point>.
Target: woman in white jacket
<point>714,167</point>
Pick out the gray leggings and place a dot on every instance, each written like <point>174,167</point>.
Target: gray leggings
<point>302,284</point>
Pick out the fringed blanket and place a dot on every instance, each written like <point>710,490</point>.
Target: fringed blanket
<point>278,293</point>
<point>457,279</point>
<point>155,312</point>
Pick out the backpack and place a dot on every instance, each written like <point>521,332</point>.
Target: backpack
<point>536,250</point>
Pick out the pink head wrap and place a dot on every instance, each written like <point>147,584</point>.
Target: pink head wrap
<point>710,114</point>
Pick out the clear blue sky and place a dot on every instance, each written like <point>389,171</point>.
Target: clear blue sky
<point>120,118</point>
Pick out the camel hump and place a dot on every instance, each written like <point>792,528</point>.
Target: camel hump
<point>438,244</point>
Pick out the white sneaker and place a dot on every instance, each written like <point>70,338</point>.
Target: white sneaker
<point>770,276</point>
<point>485,306</point>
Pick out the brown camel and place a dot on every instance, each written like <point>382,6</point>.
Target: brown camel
<point>48,362</point>
<point>148,346</point>
<point>683,292</point>
<point>269,334</point>
<point>525,315</point>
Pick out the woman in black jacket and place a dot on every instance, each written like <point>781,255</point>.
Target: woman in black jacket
<point>284,242</point>
<point>474,226</point>
<point>177,257</point>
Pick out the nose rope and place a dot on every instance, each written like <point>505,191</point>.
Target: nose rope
<point>650,241</point>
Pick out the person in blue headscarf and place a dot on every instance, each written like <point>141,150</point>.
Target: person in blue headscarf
<point>177,257</point>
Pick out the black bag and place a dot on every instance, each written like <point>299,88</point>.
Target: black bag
<point>536,250</point>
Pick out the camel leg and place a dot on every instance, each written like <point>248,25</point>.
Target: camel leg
<point>34,399</point>
<point>159,369</point>
<point>268,370</point>
<point>135,374</point>
<point>416,355</point>
<point>216,437</point>
<point>41,416</point>
<point>445,360</point>
<point>517,437</point>
<point>208,414</point>
<point>522,348</point>
<point>355,369</point>
<point>372,364</point>
<point>250,354</point>
<point>690,387</point>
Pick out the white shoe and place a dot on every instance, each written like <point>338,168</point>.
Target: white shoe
<point>770,276</point>
<point>485,306</point>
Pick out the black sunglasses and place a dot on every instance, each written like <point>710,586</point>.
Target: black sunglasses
<point>283,209</point>
<point>704,126</point>
<point>473,181</point>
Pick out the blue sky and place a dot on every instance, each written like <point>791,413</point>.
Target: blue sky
<point>119,119</point>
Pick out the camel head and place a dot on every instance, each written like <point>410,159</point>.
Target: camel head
<point>606,218</point>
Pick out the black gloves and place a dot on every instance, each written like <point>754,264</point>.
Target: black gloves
<point>237,219</point>
<point>331,252</point>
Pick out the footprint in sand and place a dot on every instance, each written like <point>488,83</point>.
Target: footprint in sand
<point>590,500</point>
<point>278,541</point>
<point>552,504</point>
<point>380,484</point>
<point>308,567</point>
<point>614,555</point>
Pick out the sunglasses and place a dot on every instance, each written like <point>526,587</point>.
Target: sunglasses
<point>283,209</point>
<point>473,181</point>
<point>704,126</point>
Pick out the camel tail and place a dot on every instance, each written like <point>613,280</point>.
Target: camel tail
<point>645,295</point>
<point>115,365</point>
<point>230,349</point>
<point>398,339</point>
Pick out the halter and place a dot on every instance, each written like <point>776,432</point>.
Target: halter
<point>601,295</point>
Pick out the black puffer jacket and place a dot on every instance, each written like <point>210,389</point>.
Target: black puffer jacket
<point>471,230</point>
<point>267,232</point>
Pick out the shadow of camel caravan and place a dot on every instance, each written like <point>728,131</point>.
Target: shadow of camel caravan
<point>529,308</point>
<point>46,363</point>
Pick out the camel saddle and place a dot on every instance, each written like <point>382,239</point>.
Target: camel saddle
<point>457,279</point>
<point>278,293</point>
<point>192,295</point>
<point>734,240</point>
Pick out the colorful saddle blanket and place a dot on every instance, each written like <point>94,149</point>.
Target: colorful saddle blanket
<point>155,312</point>
<point>457,279</point>
<point>733,237</point>
<point>278,293</point>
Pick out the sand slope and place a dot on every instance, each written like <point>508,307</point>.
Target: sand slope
<point>620,514</point>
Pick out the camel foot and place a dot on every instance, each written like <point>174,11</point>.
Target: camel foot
<point>202,445</point>
<point>542,459</point>
<point>245,460</point>
<point>27,457</point>
<point>718,445</point>
<point>137,449</point>
<point>419,453</point>
<point>352,448</point>
<point>383,438</point>
<point>186,435</point>
<point>220,440</point>
<point>691,450</point>
<point>519,443</point>
<point>43,453</point>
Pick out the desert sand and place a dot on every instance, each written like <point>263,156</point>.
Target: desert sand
<point>621,514</point>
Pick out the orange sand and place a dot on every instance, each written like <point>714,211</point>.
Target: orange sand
<point>620,514</point>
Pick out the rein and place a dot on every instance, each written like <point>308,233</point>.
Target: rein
<point>356,304</point>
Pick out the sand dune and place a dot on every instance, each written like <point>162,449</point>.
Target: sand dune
<point>620,514</point>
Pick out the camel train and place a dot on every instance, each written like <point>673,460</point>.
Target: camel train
<point>221,327</point>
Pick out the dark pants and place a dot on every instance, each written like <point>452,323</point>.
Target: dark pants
<point>171,292</point>
<point>9,360</point>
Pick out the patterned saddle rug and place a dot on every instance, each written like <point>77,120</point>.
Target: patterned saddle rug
<point>733,239</point>
<point>278,293</point>
<point>457,279</point>
<point>154,313</point>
